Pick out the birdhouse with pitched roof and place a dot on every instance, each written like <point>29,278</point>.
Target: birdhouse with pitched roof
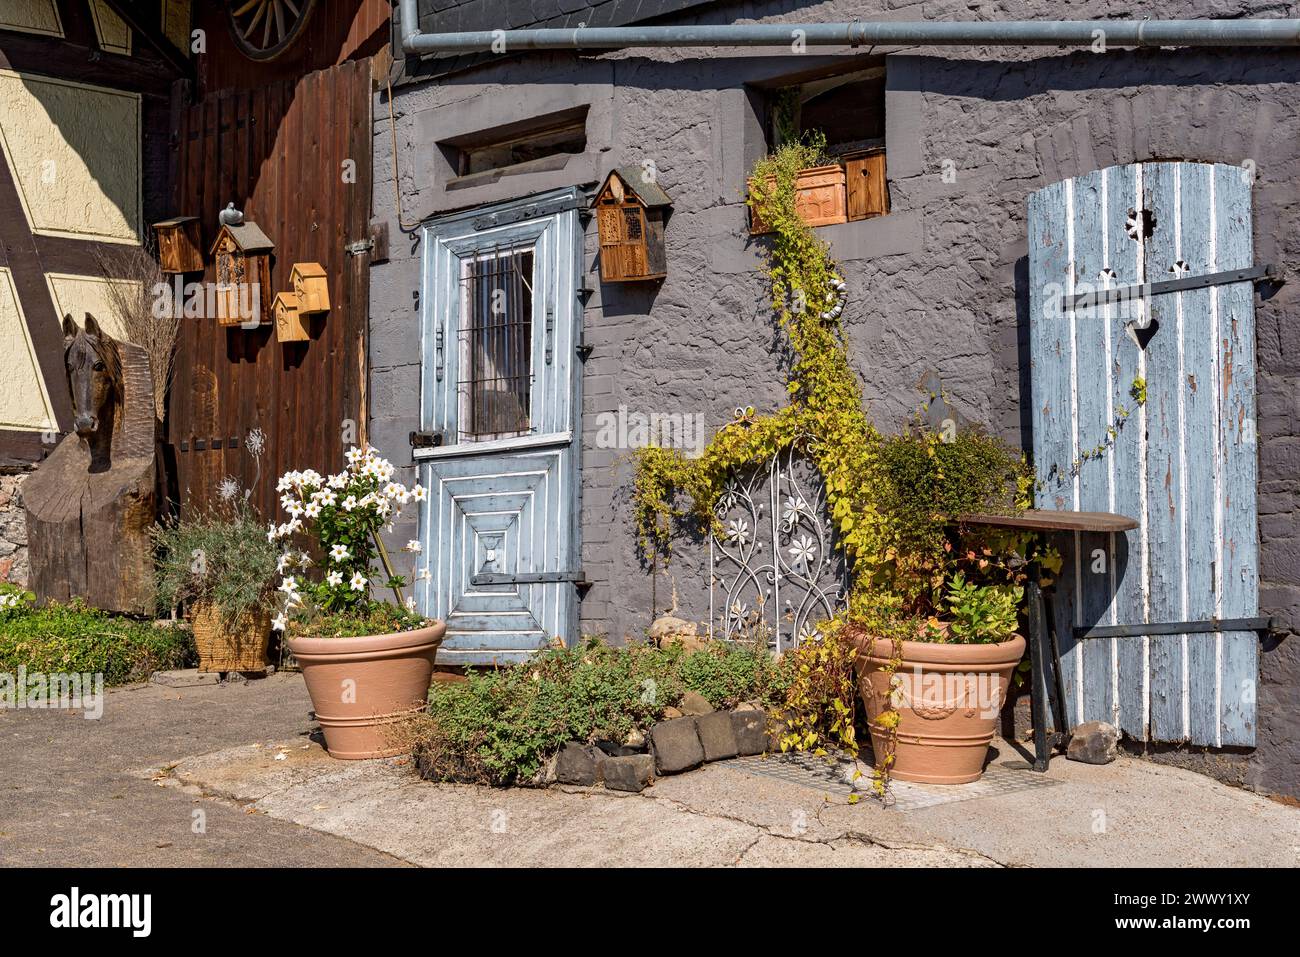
<point>290,323</point>
<point>180,249</point>
<point>631,210</point>
<point>242,255</point>
<point>312,287</point>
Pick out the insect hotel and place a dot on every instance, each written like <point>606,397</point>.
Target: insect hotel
<point>630,214</point>
<point>243,264</point>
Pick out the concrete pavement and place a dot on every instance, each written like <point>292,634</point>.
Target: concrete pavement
<point>124,790</point>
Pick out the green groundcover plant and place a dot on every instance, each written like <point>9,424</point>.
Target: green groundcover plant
<point>76,639</point>
<point>501,726</point>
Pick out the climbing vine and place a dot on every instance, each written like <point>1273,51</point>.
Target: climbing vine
<point>887,506</point>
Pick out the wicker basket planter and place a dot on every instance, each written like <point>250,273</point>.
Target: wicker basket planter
<point>238,645</point>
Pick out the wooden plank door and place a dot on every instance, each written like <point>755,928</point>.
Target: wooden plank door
<point>501,389</point>
<point>1147,407</point>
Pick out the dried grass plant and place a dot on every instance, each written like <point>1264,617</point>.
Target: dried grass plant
<point>132,299</point>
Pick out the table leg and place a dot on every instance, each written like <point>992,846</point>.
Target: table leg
<point>1037,671</point>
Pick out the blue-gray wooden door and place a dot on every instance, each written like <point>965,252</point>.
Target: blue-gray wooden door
<point>500,383</point>
<point>1182,463</point>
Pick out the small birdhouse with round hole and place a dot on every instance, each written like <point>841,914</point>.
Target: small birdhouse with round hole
<point>180,248</point>
<point>242,255</point>
<point>631,210</point>
<point>290,323</point>
<point>312,287</point>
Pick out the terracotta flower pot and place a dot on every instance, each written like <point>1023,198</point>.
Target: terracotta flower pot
<point>948,699</point>
<point>361,687</point>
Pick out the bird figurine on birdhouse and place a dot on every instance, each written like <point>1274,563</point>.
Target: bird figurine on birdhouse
<point>312,287</point>
<point>243,265</point>
<point>180,250</point>
<point>631,210</point>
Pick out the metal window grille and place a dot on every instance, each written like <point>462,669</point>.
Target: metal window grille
<point>496,344</point>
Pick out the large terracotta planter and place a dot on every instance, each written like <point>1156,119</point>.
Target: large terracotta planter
<point>361,687</point>
<point>948,699</point>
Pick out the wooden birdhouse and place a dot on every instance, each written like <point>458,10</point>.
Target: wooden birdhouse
<point>290,323</point>
<point>180,247</point>
<point>630,214</point>
<point>243,265</point>
<point>312,287</point>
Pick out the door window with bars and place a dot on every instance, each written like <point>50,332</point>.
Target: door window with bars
<point>494,389</point>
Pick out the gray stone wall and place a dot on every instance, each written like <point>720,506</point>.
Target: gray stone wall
<point>940,284</point>
<point>13,529</point>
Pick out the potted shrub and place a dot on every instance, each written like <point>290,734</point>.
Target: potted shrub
<point>220,566</point>
<point>936,655</point>
<point>801,177</point>
<point>367,663</point>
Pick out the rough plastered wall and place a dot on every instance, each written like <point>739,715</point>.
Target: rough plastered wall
<point>13,529</point>
<point>940,284</point>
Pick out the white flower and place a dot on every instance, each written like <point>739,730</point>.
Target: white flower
<point>418,493</point>
<point>279,623</point>
<point>337,481</point>
<point>335,579</point>
<point>228,488</point>
<point>738,531</point>
<point>311,477</point>
<point>272,533</point>
<point>410,603</point>
<point>255,441</point>
<point>294,509</point>
<point>801,551</point>
<point>288,585</point>
<point>325,497</point>
<point>383,506</point>
<point>413,546</point>
<point>312,510</point>
<point>354,455</point>
<point>349,503</point>
<point>284,561</point>
<point>340,553</point>
<point>358,582</point>
<point>287,500</point>
<point>304,559</point>
<point>392,490</point>
<point>284,484</point>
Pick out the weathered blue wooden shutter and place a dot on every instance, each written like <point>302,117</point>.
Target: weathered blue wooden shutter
<point>1182,463</point>
<point>500,530</point>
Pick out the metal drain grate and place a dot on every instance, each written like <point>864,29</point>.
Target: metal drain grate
<point>808,771</point>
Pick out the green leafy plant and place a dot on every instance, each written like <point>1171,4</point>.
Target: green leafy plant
<point>75,639</point>
<point>981,614</point>
<point>501,726</point>
<point>220,557</point>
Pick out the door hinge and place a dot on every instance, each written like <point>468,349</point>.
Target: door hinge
<point>1107,297</point>
<point>1209,626</point>
<point>427,440</point>
<point>578,577</point>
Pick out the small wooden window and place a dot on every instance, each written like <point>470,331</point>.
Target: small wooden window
<point>538,143</point>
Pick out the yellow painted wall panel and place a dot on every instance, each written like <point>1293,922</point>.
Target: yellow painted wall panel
<point>24,401</point>
<point>78,295</point>
<point>74,151</point>
<point>31,16</point>
<point>110,29</point>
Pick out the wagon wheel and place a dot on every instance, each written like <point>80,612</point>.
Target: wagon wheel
<point>263,29</point>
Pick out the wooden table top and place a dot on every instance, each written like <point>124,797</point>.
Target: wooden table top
<point>1053,520</point>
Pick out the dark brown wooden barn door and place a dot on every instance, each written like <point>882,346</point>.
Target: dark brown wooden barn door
<point>294,156</point>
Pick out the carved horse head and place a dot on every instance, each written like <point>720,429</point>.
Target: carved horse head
<point>94,368</point>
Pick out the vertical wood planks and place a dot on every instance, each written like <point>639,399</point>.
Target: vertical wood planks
<point>1052,362</point>
<point>1183,464</point>
<point>1092,418</point>
<point>1124,459</point>
<point>1165,492</point>
<point>1238,549</point>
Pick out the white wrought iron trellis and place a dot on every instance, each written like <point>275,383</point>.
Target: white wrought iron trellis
<point>774,569</point>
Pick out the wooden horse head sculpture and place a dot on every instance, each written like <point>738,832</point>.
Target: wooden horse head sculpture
<point>94,367</point>
<point>90,503</point>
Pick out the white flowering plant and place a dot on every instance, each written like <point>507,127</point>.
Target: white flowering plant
<point>345,513</point>
<point>14,601</point>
